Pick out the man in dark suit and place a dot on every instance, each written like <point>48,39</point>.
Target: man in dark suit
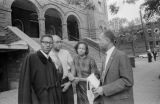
<point>116,74</point>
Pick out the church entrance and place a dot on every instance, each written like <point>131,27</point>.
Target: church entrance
<point>73,30</point>
<point>25,17</point>
<point>53,23</point>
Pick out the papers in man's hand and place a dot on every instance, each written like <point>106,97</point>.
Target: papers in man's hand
<point>92,79</point>
<point>92,83</point>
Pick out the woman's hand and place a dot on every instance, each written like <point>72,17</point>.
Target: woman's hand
<point>71,77</point>
<point>76,80</point>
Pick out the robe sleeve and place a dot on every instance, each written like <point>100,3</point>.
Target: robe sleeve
<point>24,91</point>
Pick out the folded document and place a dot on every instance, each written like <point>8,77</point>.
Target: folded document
<point>92,79</point>
<point>92,83</point>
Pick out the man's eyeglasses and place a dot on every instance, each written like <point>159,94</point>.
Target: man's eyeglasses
<point>45,42</point>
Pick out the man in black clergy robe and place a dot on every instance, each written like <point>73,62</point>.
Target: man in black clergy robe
<point>39,81</point>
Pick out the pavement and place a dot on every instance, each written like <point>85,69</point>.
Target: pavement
<point>146,84</point>
<point>9,97</point>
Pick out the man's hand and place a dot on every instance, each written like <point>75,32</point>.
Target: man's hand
<point>65,86</point>
<point>98,91</point>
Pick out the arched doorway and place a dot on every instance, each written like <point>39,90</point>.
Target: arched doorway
<point>18,23</point>
<point>73,30</point>
<point>53,23</point>
<point>25,17</point>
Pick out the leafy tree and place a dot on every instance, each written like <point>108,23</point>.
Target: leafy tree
<point>151,7</point>
<point>117,23</point>
<point>114,9</point>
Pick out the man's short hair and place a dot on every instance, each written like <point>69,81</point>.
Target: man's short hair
<point>56,36</point>
<point>47,35</point>
<point>109,34</point>
<point>86,46</point>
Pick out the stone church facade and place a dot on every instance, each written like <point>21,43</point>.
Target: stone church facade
<point>71,19</point>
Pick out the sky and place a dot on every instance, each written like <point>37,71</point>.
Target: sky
<point>129,11</point>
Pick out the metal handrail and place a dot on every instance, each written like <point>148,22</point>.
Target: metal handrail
<point>74,38</point>
<point>91,43</point>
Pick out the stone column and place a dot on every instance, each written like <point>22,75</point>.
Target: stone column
<point>82,33</point>
<point>6,17</point>
<point>65,31</point>
<point>41,26</point>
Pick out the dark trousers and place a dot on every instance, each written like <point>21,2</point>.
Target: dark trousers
<point>68,94</point>
<point>154,58</point>
<point>149,57</point>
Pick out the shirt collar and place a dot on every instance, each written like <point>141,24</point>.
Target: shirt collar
<point>110,50</point>
<point>82,57</point>
<point>44,54</point>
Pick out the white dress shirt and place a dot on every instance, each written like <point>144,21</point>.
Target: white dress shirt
<point>65,58</point>
<point>108,55</point>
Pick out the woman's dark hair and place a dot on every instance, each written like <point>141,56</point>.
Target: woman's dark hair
<point>86,46</point>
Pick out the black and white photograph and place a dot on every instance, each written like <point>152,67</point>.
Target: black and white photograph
<point>79,51</point>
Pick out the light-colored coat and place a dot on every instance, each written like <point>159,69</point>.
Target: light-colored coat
<point>117,80</point>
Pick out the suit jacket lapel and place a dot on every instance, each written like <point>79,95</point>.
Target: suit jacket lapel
<point>105,70</point>
<point>103,67</point>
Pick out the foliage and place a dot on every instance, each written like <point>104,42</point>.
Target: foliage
<point>116,23</point>
<point>151,8</point>
<point>114,9</point>
<point>130,31</point>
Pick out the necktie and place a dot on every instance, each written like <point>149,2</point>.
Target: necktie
<point>105,61</point>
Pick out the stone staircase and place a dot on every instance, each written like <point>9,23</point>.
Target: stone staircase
<point>33,44</point>
<point>93,50</point>
<point>15,45</point>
